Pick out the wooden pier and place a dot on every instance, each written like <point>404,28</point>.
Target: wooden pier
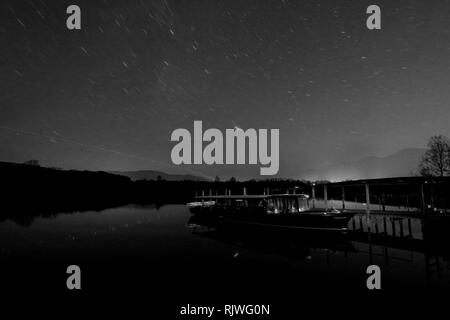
<point>424,195</point>
<point>401,195</point>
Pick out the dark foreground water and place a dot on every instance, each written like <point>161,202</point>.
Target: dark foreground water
<point>144,256</point>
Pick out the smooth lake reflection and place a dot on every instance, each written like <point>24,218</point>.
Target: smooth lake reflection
<point>148,247</point>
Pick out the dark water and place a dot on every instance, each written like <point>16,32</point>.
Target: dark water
<point>149,254</point>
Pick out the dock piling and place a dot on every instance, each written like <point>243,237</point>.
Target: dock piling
<point>367,199</point>
<point>422,198</point>
<point>313,191</point>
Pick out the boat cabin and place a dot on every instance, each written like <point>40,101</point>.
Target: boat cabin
<point>272,204</point>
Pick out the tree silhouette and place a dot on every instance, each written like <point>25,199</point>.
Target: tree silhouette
<point>436,160</point>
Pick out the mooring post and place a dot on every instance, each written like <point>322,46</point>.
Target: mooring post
<point>367,199</point>
<point>368,213</point>
<point>343,198</point>
<point>313,191</point>
<point>407,202</point>
<point>244,192</point>
<point>444,202</point>
<point>409,228</point>
<point>422,198</point>
<point>432,196</point>
<point>401,228</point>
<point>325,196</point>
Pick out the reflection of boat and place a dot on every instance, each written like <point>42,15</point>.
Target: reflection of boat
<point>278,210</point>
<point>296,244</point>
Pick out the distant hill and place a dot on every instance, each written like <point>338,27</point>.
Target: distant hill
<point>402,163</point>
<point>30,190</point>
<point>153,175</point>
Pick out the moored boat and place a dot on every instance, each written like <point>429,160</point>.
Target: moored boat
<point>276,210</point>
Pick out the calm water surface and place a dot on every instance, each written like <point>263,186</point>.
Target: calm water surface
<point>128,249</point>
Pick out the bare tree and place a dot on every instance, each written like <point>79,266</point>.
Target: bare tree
<point>436,160</point>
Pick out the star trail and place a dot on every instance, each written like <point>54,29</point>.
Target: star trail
<point>108,96</point>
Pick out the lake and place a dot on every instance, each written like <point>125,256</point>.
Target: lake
<point>153,253</point>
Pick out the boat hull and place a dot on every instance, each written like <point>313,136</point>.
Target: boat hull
<point>314,220</point>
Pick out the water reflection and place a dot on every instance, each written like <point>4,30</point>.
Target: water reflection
<point>296,244</point>
<point>413,252</point>
<point>422,242</point>
<point>26,216</point>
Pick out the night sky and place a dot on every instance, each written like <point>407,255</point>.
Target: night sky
<point>108,97</point>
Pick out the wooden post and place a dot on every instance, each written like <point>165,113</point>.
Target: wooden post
<point>401,228</point>
<point>422,198</point>
<point>244,191</point>
<point>407,202</point>
<point>444,201</point>
<point>367,198</point>
<point>409,228</point>
<point>432,196</point>
<point>325,196</point>
<point>343,198</point>
<point>313,195</point>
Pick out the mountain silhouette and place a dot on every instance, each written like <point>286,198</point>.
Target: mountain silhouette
<point>400,164</point>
